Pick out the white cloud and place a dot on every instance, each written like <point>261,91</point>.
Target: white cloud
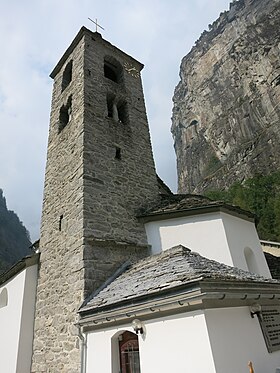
<point>33,36</point>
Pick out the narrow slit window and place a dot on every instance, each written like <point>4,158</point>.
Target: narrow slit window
<point>60,223</point>
<point>118,154</point>
<point>110,102</point>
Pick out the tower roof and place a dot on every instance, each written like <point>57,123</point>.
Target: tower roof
<point>83,31</point>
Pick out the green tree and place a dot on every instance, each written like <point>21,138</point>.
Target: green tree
<point>260,195</point>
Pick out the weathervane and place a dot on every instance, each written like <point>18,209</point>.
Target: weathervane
<point>96,24</point>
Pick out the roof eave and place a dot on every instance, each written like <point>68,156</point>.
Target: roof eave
<point>231,210</point>
<point>141,306</point>
<point>199,294</point>
<point>19,266</point>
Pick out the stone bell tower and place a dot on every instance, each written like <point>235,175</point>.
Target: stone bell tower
<point>99,172</point>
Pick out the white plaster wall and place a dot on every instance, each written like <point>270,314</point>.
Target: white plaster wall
<point>235,339</point>
<point>16,322</point>
<point>171,344</point>
<point>10,319</point>
<point>241,234</point>
<point>203,233</point>
<point>98,356</point>
<point>218,236</point>
<point>27,320</point>
<point>177,344</point>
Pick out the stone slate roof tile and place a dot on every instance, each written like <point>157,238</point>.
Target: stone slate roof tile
<point>273,264</point>
<point>19,266</point>
<point>187,202</point>
<point>167,270</point>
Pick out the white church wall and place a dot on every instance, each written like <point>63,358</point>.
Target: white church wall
<point>98,356</point>
<point>235,339</point>
<point>27,320</point>
<point>176,344</point>
<point>203,233</point>
<point>10,318</point>
<point>245,246</point>
<point>169,344</point>
<point>16,322</point>
<point>218,236</point>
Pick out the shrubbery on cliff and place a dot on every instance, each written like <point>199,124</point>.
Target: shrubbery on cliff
<point>260,195</point>
<point>14,238</point>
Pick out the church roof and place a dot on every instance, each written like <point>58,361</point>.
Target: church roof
<point>19,266</point>
<point>165,272</point>
<point>273,264</point>
<point>189,204</point>
<point>163,188</point>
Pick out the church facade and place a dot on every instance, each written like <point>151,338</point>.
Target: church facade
<point>130,277</point>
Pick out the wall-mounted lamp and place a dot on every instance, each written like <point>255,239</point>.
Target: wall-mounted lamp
<point>256,309</point>
<point>138,326</point>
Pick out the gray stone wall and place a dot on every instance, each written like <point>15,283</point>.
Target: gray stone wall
<point>91,196</point>
<point>102,258</point>
<point>226,111</point>
<point>115,188</point>
<point>60,283</point>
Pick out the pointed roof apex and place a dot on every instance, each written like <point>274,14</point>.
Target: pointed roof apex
<point>96,36</point>
<point>180,248</point>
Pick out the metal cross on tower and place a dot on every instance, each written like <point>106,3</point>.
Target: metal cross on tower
<point>96,24</point>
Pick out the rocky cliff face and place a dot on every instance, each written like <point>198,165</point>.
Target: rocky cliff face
<point>226,115</point>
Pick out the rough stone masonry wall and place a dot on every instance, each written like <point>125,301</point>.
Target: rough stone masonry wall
<point>115,189</point>
<point>91,198</point>
<point>61,276</point>
<point>226,113</point>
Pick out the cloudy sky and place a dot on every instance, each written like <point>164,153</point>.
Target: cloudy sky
<point>33,36</point>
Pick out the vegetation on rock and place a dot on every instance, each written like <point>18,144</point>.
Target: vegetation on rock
<point>14,238</point>
<point>260,195</point>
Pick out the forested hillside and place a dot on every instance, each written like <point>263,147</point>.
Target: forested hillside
<point>14,238</point>
<point>260,195</point>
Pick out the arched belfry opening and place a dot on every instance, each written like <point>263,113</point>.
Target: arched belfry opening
<point>117,109</point>
<point>122,111</point>
<point>67,75</point>
<point>113,69</point>
<point>65,114</point>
